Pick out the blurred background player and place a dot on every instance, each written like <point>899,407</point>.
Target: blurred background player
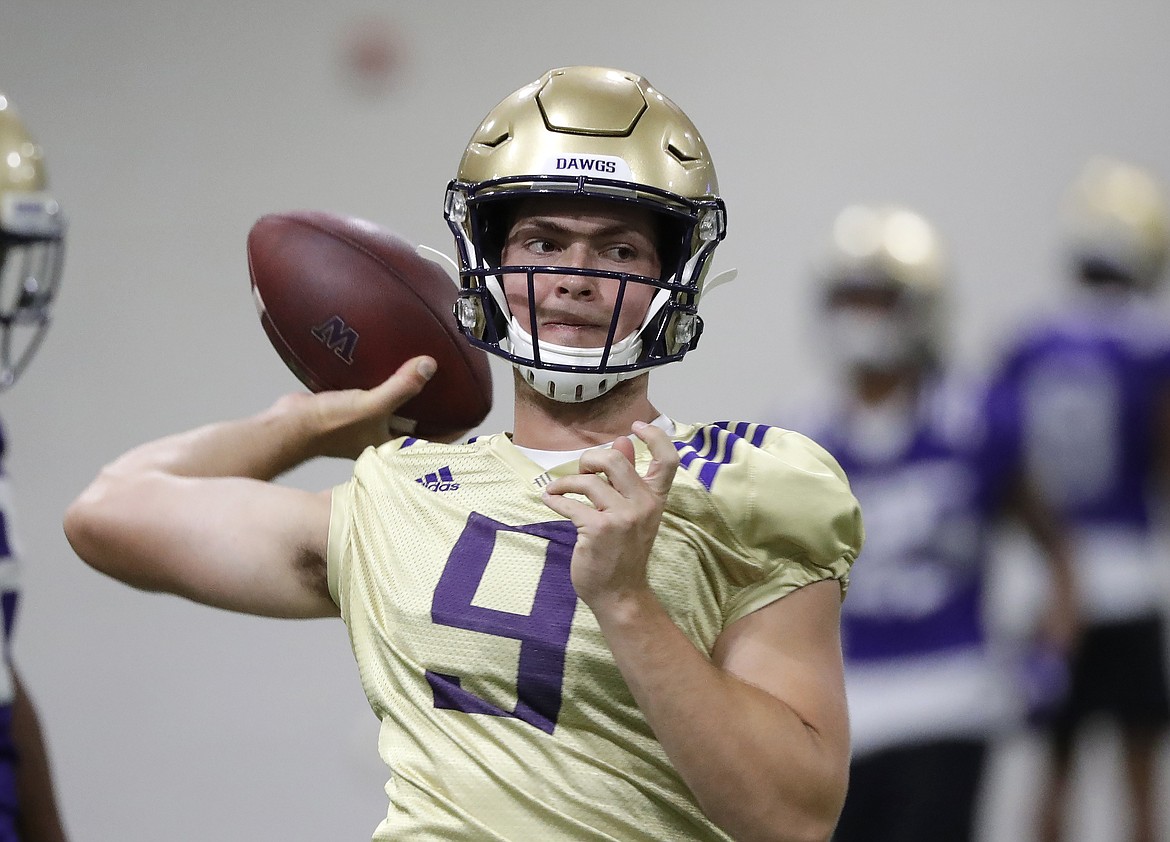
<point>1088,391</point>
<point>925,692</point>
<point>31,248</point>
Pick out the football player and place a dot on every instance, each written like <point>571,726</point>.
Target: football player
<point>932,474</point>
<point>1088,392</point>
<point>605,624</point>
<point>31,246</point>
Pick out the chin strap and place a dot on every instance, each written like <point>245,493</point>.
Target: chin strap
<point>566,386</point>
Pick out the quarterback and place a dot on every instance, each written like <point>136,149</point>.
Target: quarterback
<point>604,624</point>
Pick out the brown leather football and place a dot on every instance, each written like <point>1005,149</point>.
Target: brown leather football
<point>345,302</point>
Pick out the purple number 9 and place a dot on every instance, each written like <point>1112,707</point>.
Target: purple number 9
<point>543,634</point>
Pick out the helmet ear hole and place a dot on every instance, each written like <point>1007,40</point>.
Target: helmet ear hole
<point>672,241</point>
<point>494,222</point>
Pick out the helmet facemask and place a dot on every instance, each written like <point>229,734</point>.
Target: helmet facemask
<point>31,256</point>
<point>669,328</point>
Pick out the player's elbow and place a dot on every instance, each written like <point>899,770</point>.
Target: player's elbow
<point>813,826</point>
<point>790,826</point>
<point>98,528</point>
<point>778,811</point>
<point>87,524</point>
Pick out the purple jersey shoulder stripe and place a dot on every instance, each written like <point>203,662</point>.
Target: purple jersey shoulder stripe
<point>703,442</point>
<point>741,429</point>
<point>714,445</point>
<point>707,474</point>
<point>408,442</point>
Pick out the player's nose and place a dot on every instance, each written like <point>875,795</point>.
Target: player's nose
<point>576,286</point>
<point>577,256</point>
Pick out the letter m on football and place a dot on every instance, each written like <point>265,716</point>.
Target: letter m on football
<point>338,337</point>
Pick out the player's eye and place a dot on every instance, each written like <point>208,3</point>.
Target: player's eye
<point>540,246</point>
<point>623,253</point>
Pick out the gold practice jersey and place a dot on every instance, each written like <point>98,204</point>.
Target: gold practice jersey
<point>503,713</point>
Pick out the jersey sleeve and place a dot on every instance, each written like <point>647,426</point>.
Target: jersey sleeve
<point>345,502</point>
<point>786,503</point>
<point>340,521</point>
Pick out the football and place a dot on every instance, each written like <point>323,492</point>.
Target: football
<point>345,302</point>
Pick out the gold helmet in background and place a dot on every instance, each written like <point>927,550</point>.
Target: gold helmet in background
<point>883,275</point>
<point>599,133</point>
<point>1116,223</point>
<point>32,237</point>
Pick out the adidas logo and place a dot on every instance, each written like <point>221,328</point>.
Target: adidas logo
<point>440,480</point>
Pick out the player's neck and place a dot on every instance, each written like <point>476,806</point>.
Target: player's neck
<point>545,424</point>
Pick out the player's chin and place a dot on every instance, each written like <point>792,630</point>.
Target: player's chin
<point>574,336</point>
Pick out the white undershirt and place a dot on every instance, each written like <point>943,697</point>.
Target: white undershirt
<point>551,458</point>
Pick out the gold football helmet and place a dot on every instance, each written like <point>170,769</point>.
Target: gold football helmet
<point>883,275</point>
<point>32,236</point>
<point>599,133</point>
<point>1116,223</point>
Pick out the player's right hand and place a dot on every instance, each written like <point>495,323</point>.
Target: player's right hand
<point>344,423</point>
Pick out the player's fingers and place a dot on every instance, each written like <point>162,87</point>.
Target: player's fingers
<point>405,383</point>
<point>615,466</point>
<point>574,510</point>
<point>591,486</point>
<point>625,447</point>
<point>663,457</point>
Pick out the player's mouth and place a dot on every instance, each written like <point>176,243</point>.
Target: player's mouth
<point>574,331</point>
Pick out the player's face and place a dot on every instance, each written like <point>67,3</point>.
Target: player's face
<point>576,310</point>
<point>872,329</point>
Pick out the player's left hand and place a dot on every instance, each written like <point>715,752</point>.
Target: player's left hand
<point>618,525</point>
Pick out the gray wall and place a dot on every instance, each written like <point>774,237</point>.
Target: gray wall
<point>170,127</point>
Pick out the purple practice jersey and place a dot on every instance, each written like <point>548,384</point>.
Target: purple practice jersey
<point>928,479</point>
<point>8,598</point>
<point>1078,391</point>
